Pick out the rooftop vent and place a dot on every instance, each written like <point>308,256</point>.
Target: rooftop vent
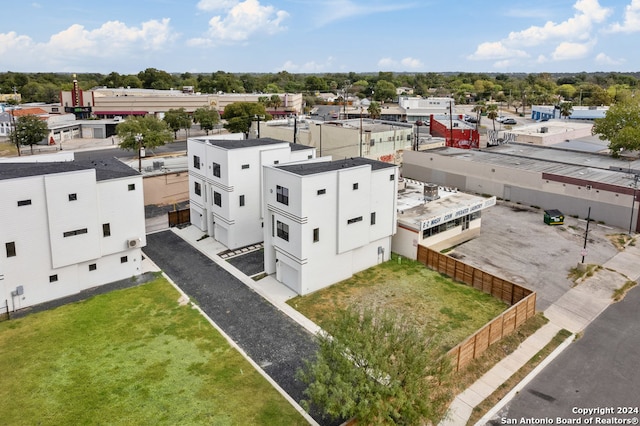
<point>430,192</point>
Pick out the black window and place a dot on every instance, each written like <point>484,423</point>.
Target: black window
<point>93,267</point>
<point>196,161</point>
<point>241,200</point>
<point>24,203</point>
<point>11,248</point>
<point>217,199</point>
<point>53,278</point>
<point>74,232</point>
<point>354,220</point>
<point>373,218</point>
<point>392,177</point>
<point>316,235</point>
<point>322,191</point>
<point>131,187</point>
<point>283,231</point>
<point>355,186</point>
<point>245,166</point>
<point>106,230</point>
<point>282,195</point>
<point>276,162</point>
<point>216,169</point>
<point>73,197</point>
<point>124,259</point>
<point>197,188</point>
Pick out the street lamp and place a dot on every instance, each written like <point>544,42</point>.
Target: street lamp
<point>320,125</point>
<point>258,117</point>
<point>419,124</point>
<point>139,138</point>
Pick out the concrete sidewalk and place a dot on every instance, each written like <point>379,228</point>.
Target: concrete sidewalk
<point>573,311</point>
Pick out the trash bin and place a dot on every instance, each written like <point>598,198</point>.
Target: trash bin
<point>553,217</point>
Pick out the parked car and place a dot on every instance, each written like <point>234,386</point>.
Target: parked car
<point>509,121</point>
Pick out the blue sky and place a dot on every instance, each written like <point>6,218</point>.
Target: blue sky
<point>318,36</point>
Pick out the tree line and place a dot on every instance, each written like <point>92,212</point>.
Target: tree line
<point>514,90</point>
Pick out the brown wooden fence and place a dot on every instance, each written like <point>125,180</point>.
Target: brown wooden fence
<point>179,217</point>
<point>521,299</point>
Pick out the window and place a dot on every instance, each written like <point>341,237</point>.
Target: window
<point>283,230</point>
<point>355,186</point>
<point>354,220</point>
<point>24,203</point>
<point>53,278</point>
<point>392,177</point>
<point>106,230</point>
<point>131,187</point>
<point>11,248</point>
<point>74,232</point>
<point>216,169</point>
<point>316,235</point>
<point>373,218</point>
<point>73,197</point>
<point>196,161</point>
<point>93,267</point>
<point>217,199</point>
<point>309,157</point>
<point>282,195</point>
<point>242,201</point>
<point>245,166</point>
<point>276,162</point>
<point>322,191</point>
<point>197,188</point>
<point>124,259</point>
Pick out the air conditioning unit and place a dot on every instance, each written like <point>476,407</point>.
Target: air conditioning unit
<point>133,242</point>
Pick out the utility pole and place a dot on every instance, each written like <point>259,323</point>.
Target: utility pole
<point>586,234</point>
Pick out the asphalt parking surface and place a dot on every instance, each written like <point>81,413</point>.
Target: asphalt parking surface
<point>250,264</point>
<point>274,341</point>
<point>517,245</point>
<point>598,371</point>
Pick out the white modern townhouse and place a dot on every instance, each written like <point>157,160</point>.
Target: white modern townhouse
<point>326,220</point>
<point>66,227</point>
<point>225,185</point>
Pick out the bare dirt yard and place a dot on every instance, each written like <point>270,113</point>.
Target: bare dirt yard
<point>517,245</point>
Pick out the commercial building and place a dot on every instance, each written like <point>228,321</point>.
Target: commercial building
<point>457,132</point>
<point>326,220</point>
<point>549,112</point>
<point>435,217</point>
<point>67,226</point>
<point>225,185</point>
<point>547,178</point>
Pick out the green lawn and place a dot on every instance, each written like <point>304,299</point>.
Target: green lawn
<point>130,357</point>
<point>442,307</point>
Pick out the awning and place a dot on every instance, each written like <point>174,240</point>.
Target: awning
<point>121,113</point>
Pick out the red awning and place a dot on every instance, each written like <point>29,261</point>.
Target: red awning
<point>121,113</point>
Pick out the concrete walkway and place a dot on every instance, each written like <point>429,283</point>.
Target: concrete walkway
<point>573,311</point>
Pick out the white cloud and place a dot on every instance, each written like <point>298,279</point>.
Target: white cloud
<point>210,5</point>
<point>401,65</point>
<point>411,63</point>
<point>631,19</point>
<point>11,41</point>
<point>602,58</point>
<point>307,67</point>
<point>542,59</point>
<point>496,50</point>
<point>566,51</point>
<point>242,21</point>
<point>387,63</point>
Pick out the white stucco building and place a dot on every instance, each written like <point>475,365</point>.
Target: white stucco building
<point>326,220</point>
<point>225,185</point>
<point>66,227</point>
<point>435,217</point>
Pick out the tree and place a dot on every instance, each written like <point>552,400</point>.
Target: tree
<point>153,132</point>
<point>177,119</point>
<point>374,110</point>
<point>492,114</point>
<point>207,118</point>
<point>621,127</point>
<point>384,91</point>
<point>566,108</point>
<point>275,101</point>
<point>378,369</point>
<point>30,130</point>
<point>240,114</point>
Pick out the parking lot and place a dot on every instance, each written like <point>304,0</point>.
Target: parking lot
<point>517,245</point>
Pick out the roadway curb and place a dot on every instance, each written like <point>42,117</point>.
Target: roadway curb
<point>513,392</point>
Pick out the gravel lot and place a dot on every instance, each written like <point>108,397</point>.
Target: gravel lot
<point>517,245</point>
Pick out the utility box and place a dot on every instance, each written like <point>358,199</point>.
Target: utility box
<point>553,217</point>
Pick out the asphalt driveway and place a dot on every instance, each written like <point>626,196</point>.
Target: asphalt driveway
<point>273,340</point>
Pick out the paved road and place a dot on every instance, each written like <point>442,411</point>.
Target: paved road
<point>600,370</point>
<point>270,338</point>
<point>100,154</point>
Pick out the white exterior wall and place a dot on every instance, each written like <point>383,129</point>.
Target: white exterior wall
<point>342,249</point>
<point>41,249</point>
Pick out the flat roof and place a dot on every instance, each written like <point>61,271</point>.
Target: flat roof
<point>417,213</point>
<point>312,168</point>
<point>248,143</point>
<point>110,168</point>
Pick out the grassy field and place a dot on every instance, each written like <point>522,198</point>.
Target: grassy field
<point>423,297</point>
<point>8,149</point>
<point>130,357</point>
